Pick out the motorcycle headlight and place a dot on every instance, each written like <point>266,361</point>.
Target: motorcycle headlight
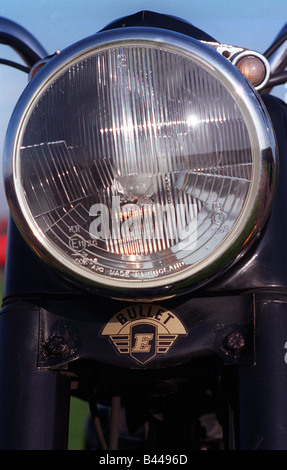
<point>140,163</point>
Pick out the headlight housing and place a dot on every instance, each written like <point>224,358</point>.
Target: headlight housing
<point>140,163</point>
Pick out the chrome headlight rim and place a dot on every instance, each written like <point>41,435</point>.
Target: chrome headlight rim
<point>253,215</point>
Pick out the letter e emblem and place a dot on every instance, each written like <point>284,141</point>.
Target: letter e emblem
<point>143,342</point>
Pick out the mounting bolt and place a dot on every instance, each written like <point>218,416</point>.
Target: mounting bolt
<point>56,346</point>
<point>234,342</point>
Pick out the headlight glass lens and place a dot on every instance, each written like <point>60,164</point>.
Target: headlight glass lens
<point>135,165</point>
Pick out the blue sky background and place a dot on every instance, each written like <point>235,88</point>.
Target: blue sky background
<point>58,23</point>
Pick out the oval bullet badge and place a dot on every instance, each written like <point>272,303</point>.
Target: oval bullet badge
<point>143,331</point>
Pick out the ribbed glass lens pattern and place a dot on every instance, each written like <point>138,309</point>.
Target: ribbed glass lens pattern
<point>135,163</point>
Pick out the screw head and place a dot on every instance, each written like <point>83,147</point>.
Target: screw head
<point>235,341</point>
<point>56,346</point>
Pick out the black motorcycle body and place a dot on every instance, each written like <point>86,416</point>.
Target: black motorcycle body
<point>223,354</point>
